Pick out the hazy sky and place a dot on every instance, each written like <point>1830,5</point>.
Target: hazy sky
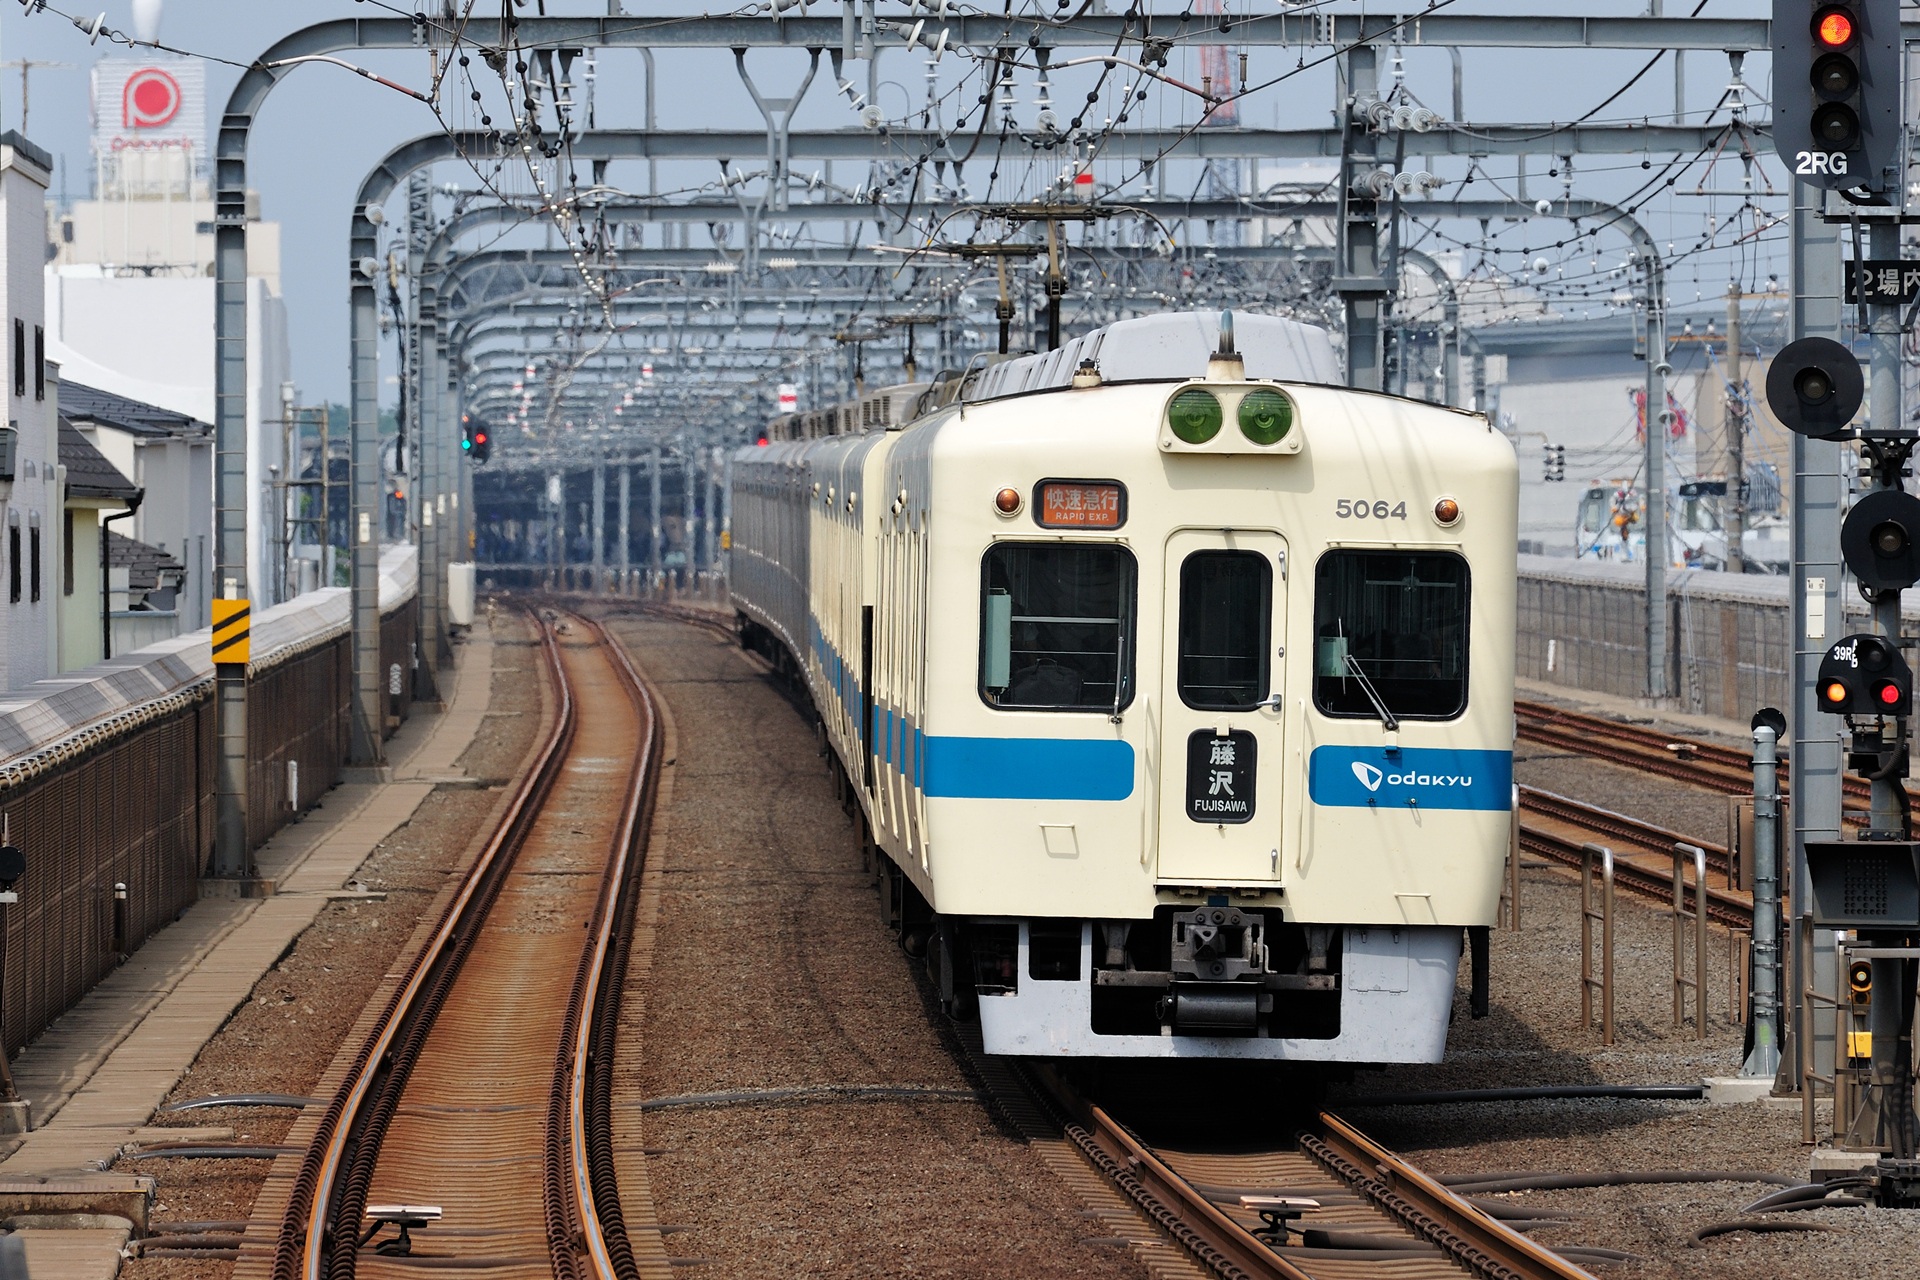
<point>324,128</point>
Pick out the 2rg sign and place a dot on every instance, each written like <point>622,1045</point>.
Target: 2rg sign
<point>1810,163</point>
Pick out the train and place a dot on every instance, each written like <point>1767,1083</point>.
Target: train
<point>1170,681</point>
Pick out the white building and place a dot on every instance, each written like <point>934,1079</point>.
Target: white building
<point>30,475</point>
<point>130,289</point>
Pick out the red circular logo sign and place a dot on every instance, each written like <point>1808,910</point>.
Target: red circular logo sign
<point>151,98</point>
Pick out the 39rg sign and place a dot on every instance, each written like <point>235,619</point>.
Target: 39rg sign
<point>1810,162</point>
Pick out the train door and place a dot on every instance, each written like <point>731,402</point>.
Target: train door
<point>1220,754</point>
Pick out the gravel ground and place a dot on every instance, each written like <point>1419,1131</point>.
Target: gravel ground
<point>1534,1037</point>
<point>284,1038</point>
<point>772,970</point>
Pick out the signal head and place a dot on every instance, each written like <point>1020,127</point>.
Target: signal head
<point>1836,127</point>
<point>1864,675</point>
<point>1814,387</point>
<point>1880,540</point>
<point>1833,27</point>
<point>1835,76</point>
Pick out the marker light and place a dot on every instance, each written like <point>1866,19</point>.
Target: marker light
<point>1446,511</point>
<point>1195,416</point>
<point>1265,416</point>
<point>1007,502</point>
<point>1833,28</point>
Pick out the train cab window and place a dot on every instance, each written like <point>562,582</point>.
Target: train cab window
<point>1390,625</point>
<point>1057,626</point>
<point>1226,601</point>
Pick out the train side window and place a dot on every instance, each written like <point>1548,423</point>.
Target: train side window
<point>1057,626</point>
<point>1398,619</point>
<point>1226,601</point>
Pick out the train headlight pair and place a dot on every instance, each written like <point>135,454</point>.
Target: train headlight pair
<point>1196,415</point>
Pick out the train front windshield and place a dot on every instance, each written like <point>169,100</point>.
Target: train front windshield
<point>1396,620</point>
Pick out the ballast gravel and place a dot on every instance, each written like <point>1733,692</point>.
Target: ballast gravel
<point>285,1037</point>
<point>1535,1037</point>
<point>773,971</point>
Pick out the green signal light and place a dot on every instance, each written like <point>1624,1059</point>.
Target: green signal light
<point>1195,416</point>
<point>1266,417</point>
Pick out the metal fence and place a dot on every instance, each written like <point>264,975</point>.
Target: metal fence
<point>117,825</point>
<point>134,809</point>
<point>297,734</point>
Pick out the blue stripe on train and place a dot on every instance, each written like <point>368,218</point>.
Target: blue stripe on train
<point>1027,769</point>
<point>982,768</point>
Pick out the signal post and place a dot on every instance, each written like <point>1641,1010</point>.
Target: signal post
<point>1837,102</point>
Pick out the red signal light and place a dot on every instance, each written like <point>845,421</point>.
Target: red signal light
<point>1888,693</point>
<point>480,437</point>
<point>761,442</point>
<point>1833,28</point>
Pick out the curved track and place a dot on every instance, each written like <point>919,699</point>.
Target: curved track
<point>1697,763</point>
<point>1376,1216</point>
<point>483,1089</point>
<point>1556,827</point>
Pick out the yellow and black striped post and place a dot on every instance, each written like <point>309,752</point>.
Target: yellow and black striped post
<point>232,632</point>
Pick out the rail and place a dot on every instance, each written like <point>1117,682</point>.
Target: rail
<point>1434,1229</point>
<point>321,1230</point>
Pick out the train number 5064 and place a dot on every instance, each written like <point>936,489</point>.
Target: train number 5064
<point>1378,509</point>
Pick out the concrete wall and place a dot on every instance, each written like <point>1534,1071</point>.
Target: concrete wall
<point>80,612</point>
<point>1582,625</point>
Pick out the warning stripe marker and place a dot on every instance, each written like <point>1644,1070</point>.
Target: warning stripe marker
<point>232,632</point>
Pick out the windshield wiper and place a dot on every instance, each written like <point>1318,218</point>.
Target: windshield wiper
<point>1373,695</point>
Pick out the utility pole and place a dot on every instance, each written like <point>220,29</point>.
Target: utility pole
<point>27,67</point>
<point>622,560</point>
<point>1736,505</point>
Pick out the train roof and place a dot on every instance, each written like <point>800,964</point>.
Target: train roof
<point>1168,348</point>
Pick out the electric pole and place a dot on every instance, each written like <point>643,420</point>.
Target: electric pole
<point>1736,505</point>
<point>27,66</point>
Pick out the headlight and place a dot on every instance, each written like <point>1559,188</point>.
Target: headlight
<point>1194,416</point>
<point>1265,416</point>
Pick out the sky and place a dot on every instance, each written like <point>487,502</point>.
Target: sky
<point>323,128</point>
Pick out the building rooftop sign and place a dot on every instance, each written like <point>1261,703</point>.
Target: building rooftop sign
<point>149,127</point>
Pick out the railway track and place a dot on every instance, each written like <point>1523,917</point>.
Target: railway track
<point>1728,770</point>
<point>1358,1210</point>
<point>1556,827</point>
<point>483,1089</point>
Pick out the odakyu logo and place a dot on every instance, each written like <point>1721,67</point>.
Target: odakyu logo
<point>1412,777</point>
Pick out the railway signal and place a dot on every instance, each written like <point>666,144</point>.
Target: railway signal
<point>1864,675</point>
<point>1836,96</point>
<point>1814,387</point>
<point>1880,540</point>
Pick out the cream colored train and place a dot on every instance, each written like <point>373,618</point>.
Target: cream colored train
<point>1172,680</point>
